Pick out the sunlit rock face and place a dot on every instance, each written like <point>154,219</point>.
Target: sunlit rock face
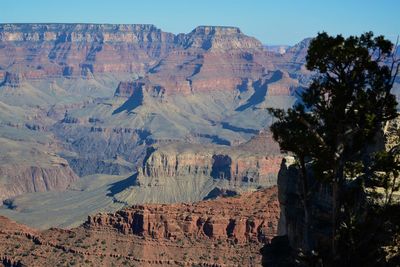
<point>80,49</point>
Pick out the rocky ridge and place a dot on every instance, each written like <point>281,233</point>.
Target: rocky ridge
<point>46,50</point>
<point>221,232</point>
<point>26,167</point>
<point>81,49</point>
<point>236,166</point>
<point>198,220</point>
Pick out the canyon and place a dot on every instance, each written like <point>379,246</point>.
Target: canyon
<point>142,147</point>
<point>97,97</point>
<point>127,145</point>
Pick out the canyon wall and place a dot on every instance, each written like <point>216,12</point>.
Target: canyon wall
<point>45,50</point>
<point>220,232</point>
<point>237,166</point>
<point>206,59</point>
<point>202,220</point>
<point>81,49</point>
<point>28,179</point>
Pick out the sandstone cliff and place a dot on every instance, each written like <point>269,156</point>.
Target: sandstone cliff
<point>208,58</point>
<point>81,49</point>
<point>211,58</point>
<point>235,166</point>
<point>224,218</point>
<point>221,232</point>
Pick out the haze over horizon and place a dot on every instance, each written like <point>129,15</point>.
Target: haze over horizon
<point>272,22</point>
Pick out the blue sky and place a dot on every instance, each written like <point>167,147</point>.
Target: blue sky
<point>272,22</point>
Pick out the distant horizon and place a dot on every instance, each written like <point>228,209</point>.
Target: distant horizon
<point>273,23</point>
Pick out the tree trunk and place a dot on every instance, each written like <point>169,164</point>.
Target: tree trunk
<point>337,188</point>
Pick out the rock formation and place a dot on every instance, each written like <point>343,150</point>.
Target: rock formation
<point>236,166</point>
<point>79,49</point>
<point>28,179</point>
<point>221,232</point>
<point>138,92</point>
<point>11,79</point>
<point>99,95</point>
<point>228,220</point>
<point>27,167</point>
<point>211,58</point>
<point>207,58</point>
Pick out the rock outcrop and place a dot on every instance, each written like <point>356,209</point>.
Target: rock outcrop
<point>211,58</point>
<point>138,92</point>
<point>218,38</point>
<point>221,232</point>
<point>281,84</point>
<point>208,58</point>
<point>221,219</point>
<point>28,179</point>
<point>236,166</point>
<point>80,49</point>
<point>298,52</point>
<point>12,79</point>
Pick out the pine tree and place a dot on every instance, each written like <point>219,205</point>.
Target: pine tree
<point>333,131</point>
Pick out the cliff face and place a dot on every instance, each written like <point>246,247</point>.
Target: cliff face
<point>27,166</point>
<point>139,91</point>
<point>208,58</point>
<point>221,232</point>
<point>292,212</point>
<point>236,166</point>
<point>218,38</point>
<point>81,49</point>
<point>11,79</point>
<point>221,219</point>
<point>28,179</point>
<point>211,58</point>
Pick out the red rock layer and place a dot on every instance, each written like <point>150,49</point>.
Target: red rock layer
<point>221,232</point>
<point>198,70</point>
<point>224,218</point>
<point>42,50</point>
<point>208,58</point>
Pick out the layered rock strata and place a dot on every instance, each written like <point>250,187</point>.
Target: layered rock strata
<point>80,49</point>
<point>45,50</point>
<point>28,179</point>
<point>228,220</point>
<point>221,232</point>
<point>236,166</point>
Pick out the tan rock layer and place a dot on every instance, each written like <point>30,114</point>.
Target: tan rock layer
<point>237,168</point>
<point>35,179</point>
